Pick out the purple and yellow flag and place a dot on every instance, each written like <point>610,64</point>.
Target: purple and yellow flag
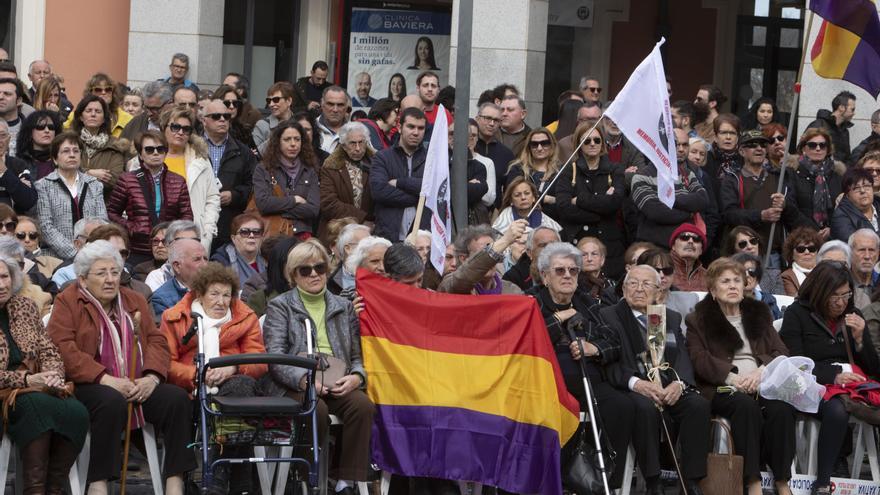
<point>848,44</point>
<point>466,387</point>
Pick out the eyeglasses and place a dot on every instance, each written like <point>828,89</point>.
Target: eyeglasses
<point>273,99</point>
<point>157,242</point>
<point>175,128</point>
<point>219,116</point>
<point>687,236</point>
<point>155,150</point>
<point>594,90</point>
<point>113,274</point>
<point>250,232</point>
<point>666,270</point>
<point>232,103</point>
<point>540,144</point>
<point>306,270</point>
<point>637,285</point>
<point>27,235</point>
<point>44,126</point>
<point>595,140</point>
<point>872,171</point>
<point>560,271</point>
<point>813,145</point>
<point>8,226</point>
<point>752,145</point>
<point>490,119</point>
<point>803,249</point>
<point>743,243</point>
<point>862,188</point>
<point>101,90</point>
<point>838,298</point>
<point>752,272</point>
<point>778,139</point>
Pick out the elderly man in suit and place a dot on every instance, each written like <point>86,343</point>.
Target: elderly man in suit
<point>675,395</point>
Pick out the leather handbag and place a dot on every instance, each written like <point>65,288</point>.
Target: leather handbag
<point>724,472</point>
<point>581,472</point>
<point>330,369</point>
<point>275,224</point>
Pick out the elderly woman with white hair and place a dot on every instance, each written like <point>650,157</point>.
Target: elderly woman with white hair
<point>368,254</point>
<point>47,424</point>
<point>834,251</point>
<point>347,241</point>
<point>345,178</point>
<point>578,334</point>
<point>336,329</point>
<point>103,332</point>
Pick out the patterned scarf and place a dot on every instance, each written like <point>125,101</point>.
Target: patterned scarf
<point>728,161</point>
<point>821,196</point>
<point>93,142</point>
<point>356,175</point>
<point>115,345</point>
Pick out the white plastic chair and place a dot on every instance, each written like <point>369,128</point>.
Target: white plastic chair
<point>864,443</point>
<point>153,459</point>
<point>7,450</point>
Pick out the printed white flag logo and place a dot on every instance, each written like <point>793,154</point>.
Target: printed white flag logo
<point>641,111</point>
<point>435,189</point>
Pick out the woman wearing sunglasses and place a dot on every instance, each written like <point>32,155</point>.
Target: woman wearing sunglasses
<point>335,328</point>
<point>859,208</point>
<point>589,195</point>
<point>538,162</point>
<point>744,239</point>
<point>243,253</point>
<point>239,128</point>
<point>816,179</point>
<point>799,251</point>
<point>32,146</point>
<point>777,135</point>
<point>754,272</point>
<point>147,196</point>
<point>27,232</point>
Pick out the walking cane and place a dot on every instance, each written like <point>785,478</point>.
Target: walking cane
<point>591,411</point>
<point>127,445</point>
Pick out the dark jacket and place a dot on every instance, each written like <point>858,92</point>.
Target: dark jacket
<point>848,219</point>
<point>520,273</point>
<point>378,138</point>
<point>337,192</point>
<point>303,215</point>
<point>631,335</point>
<point>594,212</point>
<point>715,171</point>
<point>236,175</point>
<point>839,133</point>
<point>711,215</point>
<point>301,99</point>
<point>135,196</point>
<point>13,191</point>
<point>501,156</point>
<point>137,125</point>
<point>712,340</point>
<point>111,157</point>
<point>656,220</point>
<point>872,141</point>
<point>801,180</point>
<point>805,333</point>
<point>389,202</point>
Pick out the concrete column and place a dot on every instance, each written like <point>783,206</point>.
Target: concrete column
<point>817,93</point>
<point>161,28</point>
<point>30,28</point>
<point>509,45</point>
<point>314,38</point>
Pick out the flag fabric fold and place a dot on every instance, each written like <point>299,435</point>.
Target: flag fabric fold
<point>466,387</point>
<point>435,190</point>
<point>641,111</point>
<point>848,44</point>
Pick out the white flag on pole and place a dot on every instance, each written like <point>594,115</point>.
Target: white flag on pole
<point>435,189</point>
<point>641,111</point>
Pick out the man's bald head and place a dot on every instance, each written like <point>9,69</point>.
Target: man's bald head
<point>411,101</point>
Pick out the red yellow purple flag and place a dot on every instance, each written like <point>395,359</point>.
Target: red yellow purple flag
<point>848,44</point>
<point>466,387</point>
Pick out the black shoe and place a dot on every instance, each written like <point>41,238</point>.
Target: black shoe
<point>820,489</point>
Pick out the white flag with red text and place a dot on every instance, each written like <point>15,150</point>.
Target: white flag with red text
<point>435,189</point>
<point>641,111</point>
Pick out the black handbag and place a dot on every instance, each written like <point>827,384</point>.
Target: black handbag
<point>581,471</point>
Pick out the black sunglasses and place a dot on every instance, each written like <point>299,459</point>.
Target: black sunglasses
<point>9,226</point>
<point>595,140</point>
<point>232,103</point>
<point>306,270</point>
<point>816,146</point>
<point>219,116</point>
<point>742,244</point>
<point>155,150</point>
<point>561,270</point>
<point>778,139</point>
<point>250,232</point>
<point>274,99</point>
<point>752,272</point>
<point>187,129</point>
<point>803,249</point>
<point>44,126</point>
<point>687,236</point>
<point>668,270</point>
<point>544,144</point>
<point>29,235</point>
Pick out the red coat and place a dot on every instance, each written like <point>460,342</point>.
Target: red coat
<point>240,335</point>
<point>138,202</point>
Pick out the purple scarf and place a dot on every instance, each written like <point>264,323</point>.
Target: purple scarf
<point>494,291</point>
<point>292,169</point>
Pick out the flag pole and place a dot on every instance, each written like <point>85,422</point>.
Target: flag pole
<point>418,220</point>
<point>791,131</point>
<point>570,160</point>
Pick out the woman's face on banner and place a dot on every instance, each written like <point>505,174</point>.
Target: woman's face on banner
<point>423,51</point>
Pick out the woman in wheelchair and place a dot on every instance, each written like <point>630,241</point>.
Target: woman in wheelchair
<point>335,334</point>
<point>46,424</point>
<point>99,327</point>
<point>230,327</point>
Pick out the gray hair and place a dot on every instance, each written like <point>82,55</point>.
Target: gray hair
<point>559,250</point>
<point>352,127</point>
<point>353,262</point>
<point>698,140</point>
<point>411,239</point>
<point>176,250</point>
<point>182,57</point>
<point>159,89</point>
<point>401,261</point>
<point>489,104</point>
<point>79,228</point>
<point>14,273</point>
<point>875,117</point>
<point>834,245</point>
<point>179,226</point>
<point>92,253</point>
<point>470,234</point>
<point>583,82</point>
<point>866,232</point>
<point>11,248</point>
<point>530,241</point>
<point>646,267</point>
<point>346,235</point>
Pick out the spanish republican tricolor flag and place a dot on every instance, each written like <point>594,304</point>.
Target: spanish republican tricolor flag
<point>466,387</point>
<point>848,44</point>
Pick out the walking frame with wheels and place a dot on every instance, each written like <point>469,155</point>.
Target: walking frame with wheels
<point>255,411</point>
